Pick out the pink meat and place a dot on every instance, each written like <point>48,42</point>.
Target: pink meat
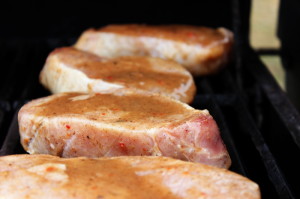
<point>114,125</point>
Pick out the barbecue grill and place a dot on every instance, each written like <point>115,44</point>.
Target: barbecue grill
<point>259,125</point>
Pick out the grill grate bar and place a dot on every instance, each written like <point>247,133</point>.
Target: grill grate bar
<point>225,132</point>
<point>12,138</point>
<point>286,111</point>
<point>274,172</point>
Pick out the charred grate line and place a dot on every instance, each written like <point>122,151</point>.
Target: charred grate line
<point>274,172</point>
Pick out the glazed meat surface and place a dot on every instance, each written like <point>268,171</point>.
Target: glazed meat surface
<point>201,50</point>
<point>45,176</point>
<point>95,125</point>
<point>71,70</point>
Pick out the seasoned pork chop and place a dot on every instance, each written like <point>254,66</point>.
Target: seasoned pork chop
<point>95,125</point>
<point>45,176</point>
<point>201,50</point>
<point>71,70</point>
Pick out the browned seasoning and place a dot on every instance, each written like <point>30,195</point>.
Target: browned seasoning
<point>134,72</point>
<point>142,108</point>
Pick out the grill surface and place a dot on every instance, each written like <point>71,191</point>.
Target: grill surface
<point>259,126</point>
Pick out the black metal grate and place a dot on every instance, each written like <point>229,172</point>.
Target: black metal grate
<point>259,126</point>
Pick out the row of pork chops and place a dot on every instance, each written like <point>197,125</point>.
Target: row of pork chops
<point>112,99</point>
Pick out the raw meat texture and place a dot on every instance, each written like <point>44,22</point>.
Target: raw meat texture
<point>95,125</point>
<point>71,70</point>
<point>201,50</point>
<point>45,176</point>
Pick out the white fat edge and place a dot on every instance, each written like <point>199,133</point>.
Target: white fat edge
<point>68,145</point>
<point>51,171</point>
<point>52,146</point>
<point>228,36</point>
<point>178,184</point>
<point>32,132</point>
<point>73,85</point>
<point>225,181</point>
<point>97,85</point>
<point>35,147</point>
<point>205,111</point>
<point>81,97</point>
<point>168,49</point>
<point>181,91</point>
<point>104,87</point>
<point>161,48</point>
<point>111,45</point>
<point>168,44</point>
<point>67,80</point>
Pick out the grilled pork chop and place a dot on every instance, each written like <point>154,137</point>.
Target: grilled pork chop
<point>71,70</point>
<point>45,176</point>
<point>95,125</point>
<point>201,50</point>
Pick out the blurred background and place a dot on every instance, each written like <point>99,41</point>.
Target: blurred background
<point>263,36</point>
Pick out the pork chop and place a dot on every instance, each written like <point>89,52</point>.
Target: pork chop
<point>95,125</point>
<point>71,70</point>
<point>45,176</point>
<point>201,50</point>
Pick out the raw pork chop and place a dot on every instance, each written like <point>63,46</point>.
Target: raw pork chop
<point>71,70</point>
<point>45,176</point>
<point>201,50</point>
<point>95,125</point>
